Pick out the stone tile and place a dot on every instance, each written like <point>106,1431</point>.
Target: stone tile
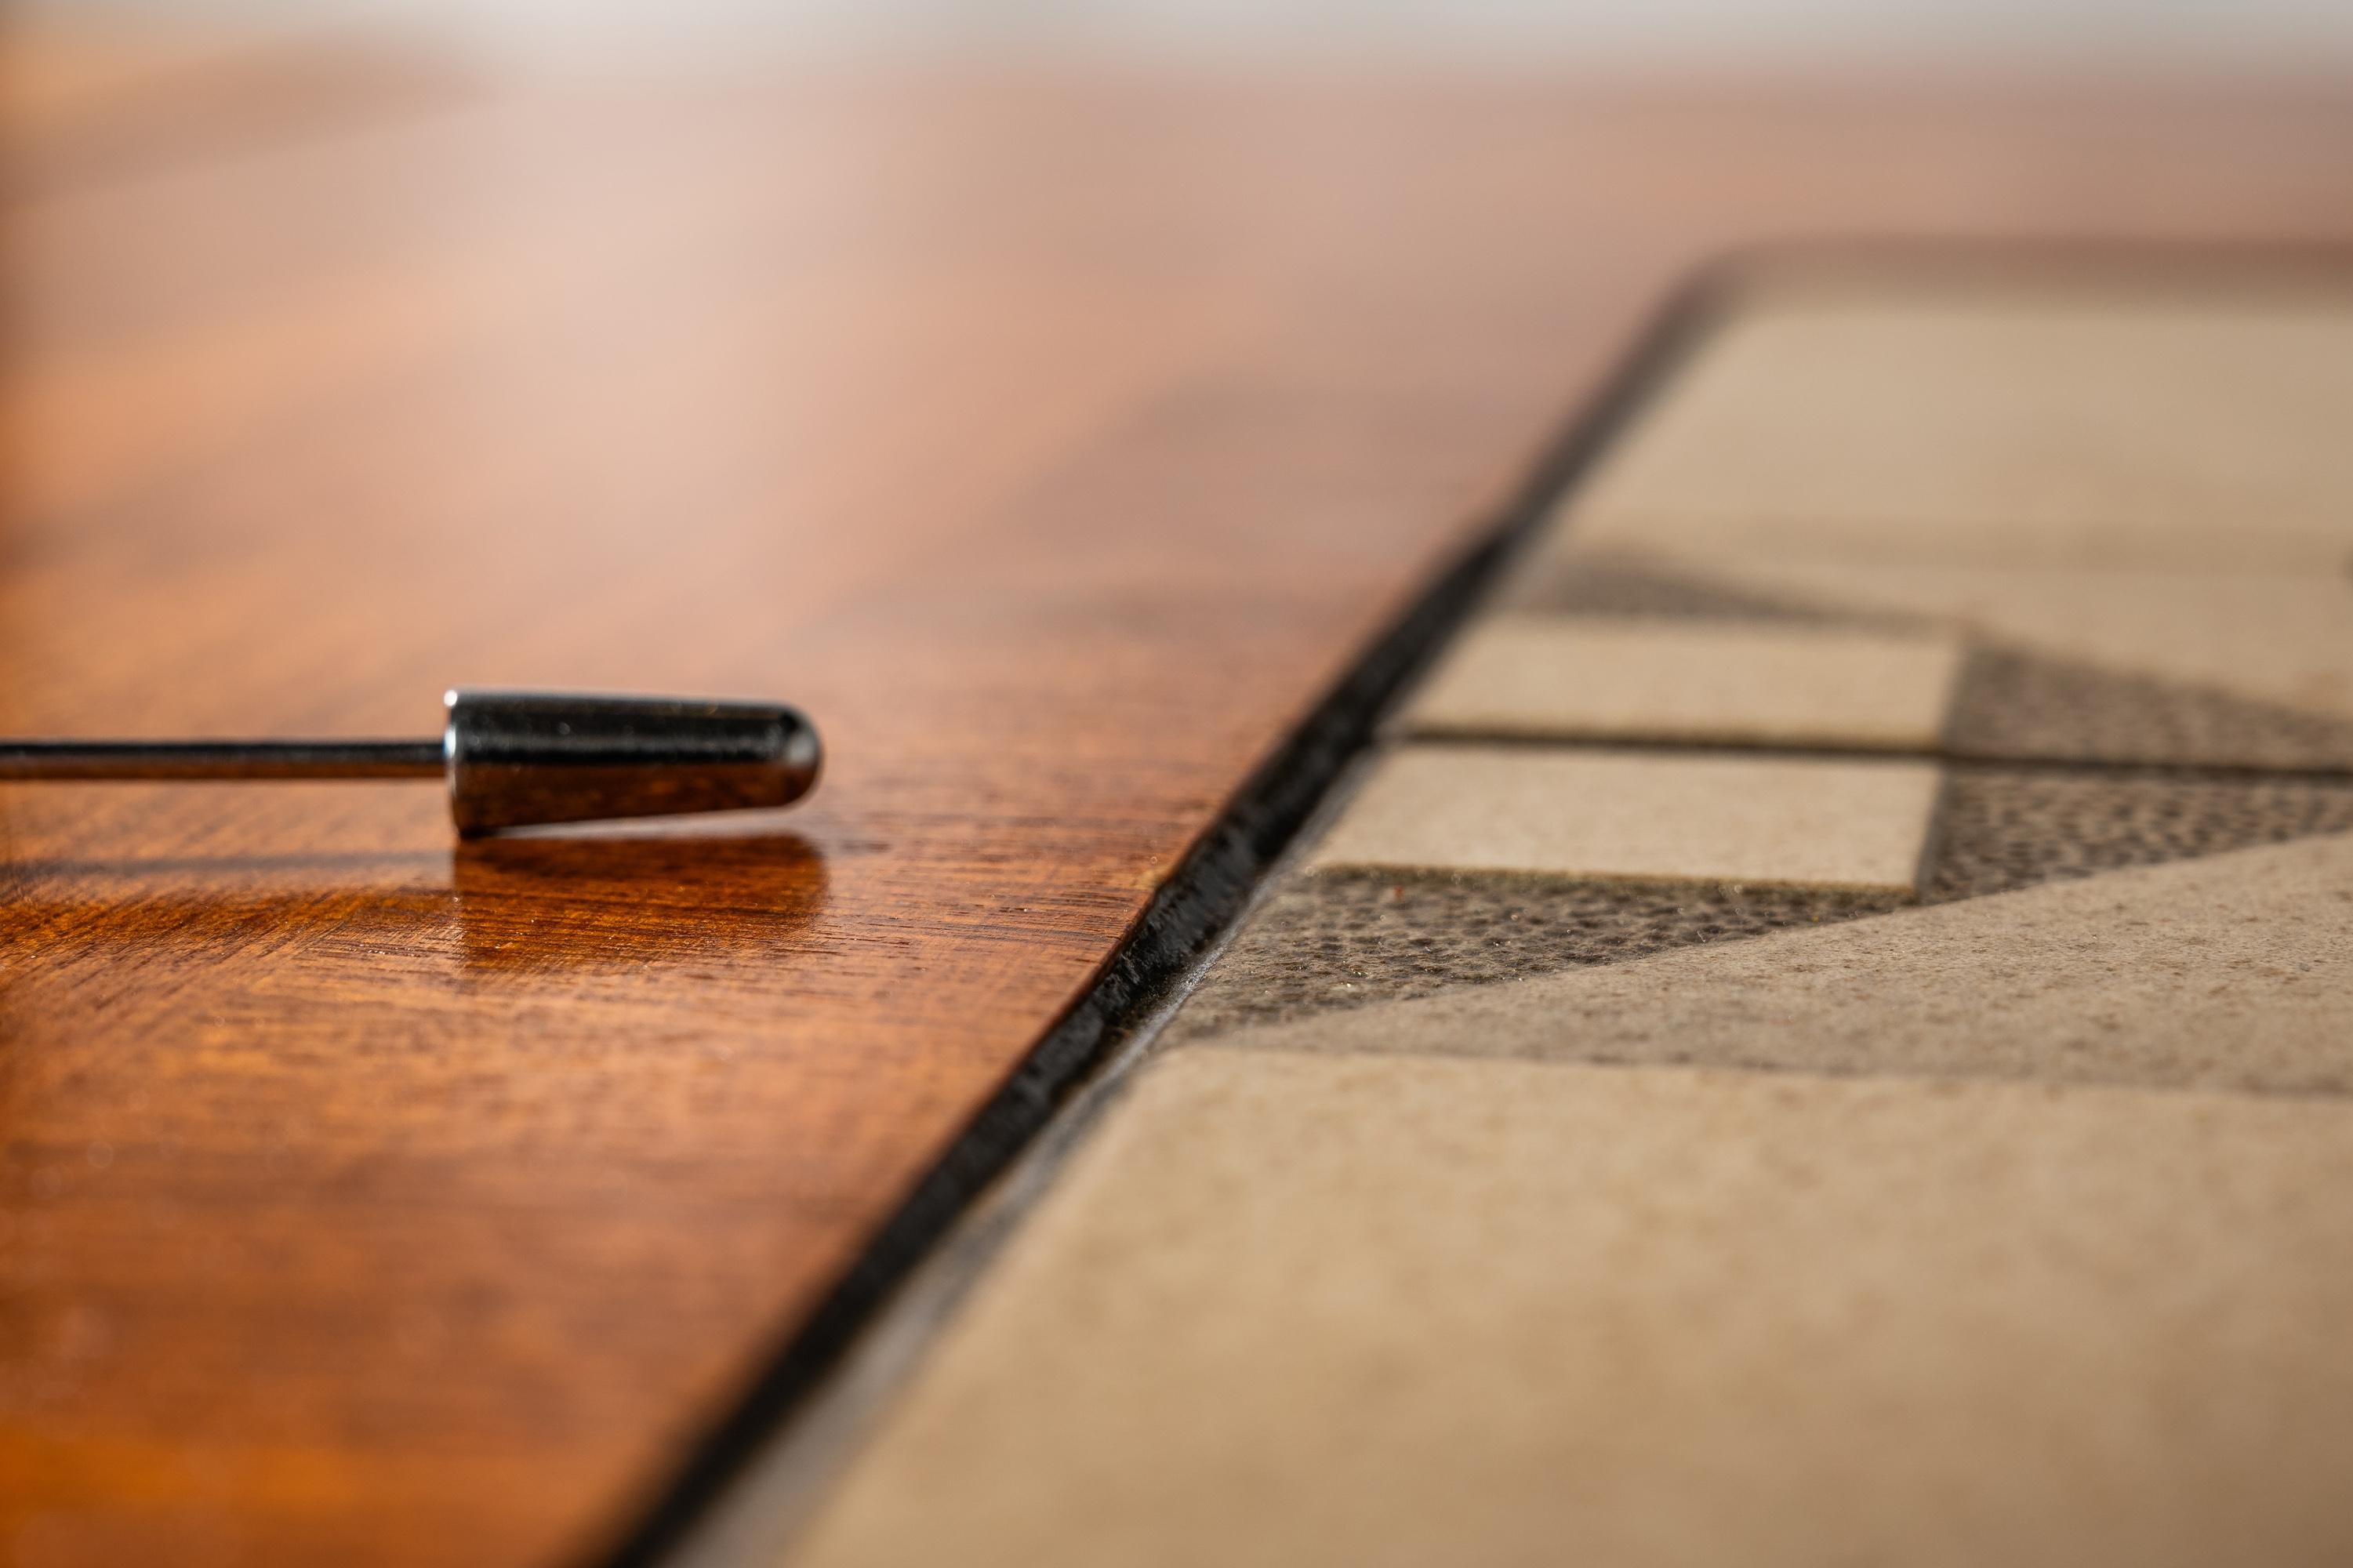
<point>2022,429</point>
<point>2231,972</point>
<point>1641,816</point>
<point>1729,682</point>
<point>1367,1311</point>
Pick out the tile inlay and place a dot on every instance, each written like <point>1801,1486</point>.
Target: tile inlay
<point>2280,640</point>
<point>1340,938</point>
<point>2015,704</point>
<point>2199,669</point>
<point>2234,972</point>
<point>1637,816</point>
<point>1724,682</point>
<point>1346,938</point>
<point>2003,828</point>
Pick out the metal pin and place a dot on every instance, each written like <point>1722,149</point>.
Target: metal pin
<point>511,758</point>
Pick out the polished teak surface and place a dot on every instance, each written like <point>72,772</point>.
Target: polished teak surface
<point>1056,442</point>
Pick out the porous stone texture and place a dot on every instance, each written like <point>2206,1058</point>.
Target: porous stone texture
<point>1369,1311</point>
<point>1344,938</point>
<point>2002,828</point>
<point>2015,704</point>
<point>2234,972</point>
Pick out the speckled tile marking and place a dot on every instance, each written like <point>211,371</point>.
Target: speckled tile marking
<point>2230,972</point>
<point>1346,938</point>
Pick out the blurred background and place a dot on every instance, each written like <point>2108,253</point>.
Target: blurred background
<point>551,295</point>
<point>2259,35</point>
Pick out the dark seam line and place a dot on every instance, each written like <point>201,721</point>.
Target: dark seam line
<point>1208,892</point>
<point>2184,773</point>
<point>1231,1041</point>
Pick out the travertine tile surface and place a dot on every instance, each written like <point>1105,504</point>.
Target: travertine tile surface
<point>2235,971</point>
<point>1639,815</point>
<point>2068,425</point>
<point>1725,682</point>
<point>1301,1310</point>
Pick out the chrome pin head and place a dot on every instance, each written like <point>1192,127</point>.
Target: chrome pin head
<point>520,758</point>
<point>512,759</point>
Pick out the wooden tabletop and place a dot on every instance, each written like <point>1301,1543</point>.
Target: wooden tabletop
<point>1058,441</point>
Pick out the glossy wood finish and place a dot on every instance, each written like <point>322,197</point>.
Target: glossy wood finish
<point>1055,441</point>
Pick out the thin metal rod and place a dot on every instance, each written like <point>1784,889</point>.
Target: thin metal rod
<point>222,759</point>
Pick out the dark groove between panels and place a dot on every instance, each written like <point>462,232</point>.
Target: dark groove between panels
<point>1204,898</point>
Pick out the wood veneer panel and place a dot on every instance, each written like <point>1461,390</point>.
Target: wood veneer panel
<point>1056,442</point>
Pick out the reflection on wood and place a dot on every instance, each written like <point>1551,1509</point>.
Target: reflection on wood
<point>1054,442</point>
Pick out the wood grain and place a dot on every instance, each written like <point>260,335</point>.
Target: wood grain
<point>1057,441</point>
